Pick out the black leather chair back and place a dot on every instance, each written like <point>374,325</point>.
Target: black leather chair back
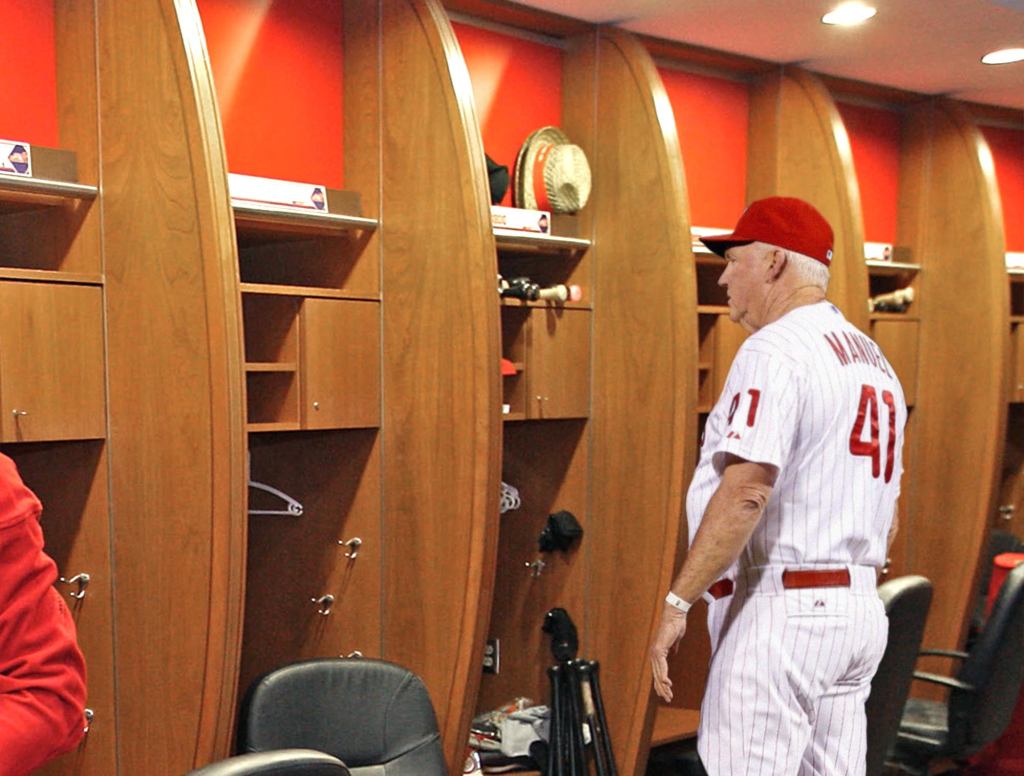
<point>998,543</point>
<point>907,600</point>
<point>373,715</point>
<point>283,762</point>
<point>995,667</point>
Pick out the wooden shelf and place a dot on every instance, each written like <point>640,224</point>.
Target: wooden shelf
<point>51,276</point>
<point>1016,275</point>
<point>1015,319</point>
<point>288,426</point>
<point>712,309</point>
<point>271,366</point>
<point>305,291</point>
<point>893,317</point>
<point>704,366</point>
<point>22,193</point>
<point>512,302</point>
<point>876,267</point>
<point>706,258</point>
<point>266,219</point>
<point>526,242</point>
<point>672,724</point>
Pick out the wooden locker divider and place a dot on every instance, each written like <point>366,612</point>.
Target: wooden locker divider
<point>951,219</point>
<point>644,383</point>
<point>799,148</point>
<point>176,393</point>
<point>441,382</point>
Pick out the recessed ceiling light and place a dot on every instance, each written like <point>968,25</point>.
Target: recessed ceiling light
<point>1003,56</point>
<point>849,14</point>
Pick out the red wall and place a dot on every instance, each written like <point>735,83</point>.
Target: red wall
<point>875,140</point>
<point>28,110</point>
<point>1008,151</point>
<point>277,65</point>
<point>711,117</point>
<point>517,87</point>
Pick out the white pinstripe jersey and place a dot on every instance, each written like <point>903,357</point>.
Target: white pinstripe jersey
<point>813,396</point>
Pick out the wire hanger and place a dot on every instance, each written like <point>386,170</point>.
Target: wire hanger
<point>292,507</point>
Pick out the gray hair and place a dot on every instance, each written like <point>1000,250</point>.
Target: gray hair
<point>811,271</point>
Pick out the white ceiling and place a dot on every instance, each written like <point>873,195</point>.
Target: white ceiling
<point>924,46</point>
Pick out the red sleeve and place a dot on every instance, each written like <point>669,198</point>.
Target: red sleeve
<point>42,672</point>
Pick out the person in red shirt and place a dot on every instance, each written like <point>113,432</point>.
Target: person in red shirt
<point>42,672</point>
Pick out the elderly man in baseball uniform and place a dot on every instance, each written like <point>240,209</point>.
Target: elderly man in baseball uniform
<point>791,511</point>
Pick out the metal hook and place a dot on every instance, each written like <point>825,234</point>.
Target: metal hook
<point>536,567</point>
<point>353,545</point>
<point>82,580</point>
<point>89,715</point>
<point>354,654</point>
<point>324,604</point>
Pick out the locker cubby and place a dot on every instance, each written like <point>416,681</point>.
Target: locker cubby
<point>271,328</point>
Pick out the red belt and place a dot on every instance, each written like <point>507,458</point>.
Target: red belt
<point>721,588</point>
<point>793,579</point>
<point>801,578</point>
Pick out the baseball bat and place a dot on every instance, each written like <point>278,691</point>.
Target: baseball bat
<point>560,293</point>
<point>894,301</point>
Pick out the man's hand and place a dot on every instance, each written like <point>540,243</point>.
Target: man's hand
<point>671,630</point>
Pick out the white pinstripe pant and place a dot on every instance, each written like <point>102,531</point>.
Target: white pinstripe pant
<point>790,671</point>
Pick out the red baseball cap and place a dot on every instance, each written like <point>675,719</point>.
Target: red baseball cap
<point>787,222</point>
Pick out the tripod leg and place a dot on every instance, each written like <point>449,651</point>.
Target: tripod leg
<point>556,731</point>
<point>578,750</point>
<point>601,719</point>
<point>584,673</point>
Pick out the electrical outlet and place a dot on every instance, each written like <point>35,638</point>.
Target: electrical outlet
<point>492,656</point>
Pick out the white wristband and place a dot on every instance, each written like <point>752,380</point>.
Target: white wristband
<point>673,600</point>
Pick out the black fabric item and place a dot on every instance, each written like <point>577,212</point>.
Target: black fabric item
<point>565,642</point>
<point>283,762</point>
<point>373,715</point>
<point>679,758</point>
<point>907,600</point>
<point>497,177</point>
<point>561,530</point>
<point>983,694</point>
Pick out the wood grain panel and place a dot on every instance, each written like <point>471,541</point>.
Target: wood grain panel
<point>950,219</point>
<point>644,381</point>
<point>76,526</point>
<point>78,230</point>
<point>798,147</point>
<point>441,385</point>
<point>295,559</point>
<point>548,463</point>
<point>175,396</point>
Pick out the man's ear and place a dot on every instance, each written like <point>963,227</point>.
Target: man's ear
<point>777,263</point>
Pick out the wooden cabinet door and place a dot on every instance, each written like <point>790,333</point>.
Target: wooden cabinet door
<point>558,364</point>
<point>340,371</point>
<point>51,362</point>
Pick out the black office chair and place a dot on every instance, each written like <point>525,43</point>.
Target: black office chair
<point>998,543</point>
<point>283,762</point>
<point>982,697</point>
<point>907,600</point>
<point>374,716</point>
